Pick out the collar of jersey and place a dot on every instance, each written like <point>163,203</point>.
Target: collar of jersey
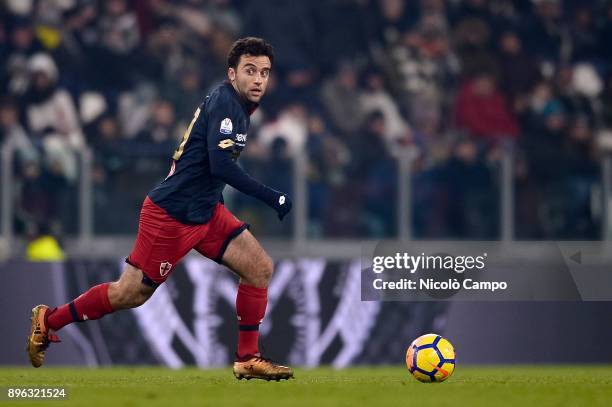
<point>248,106</point>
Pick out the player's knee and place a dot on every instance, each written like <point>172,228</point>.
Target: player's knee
<point>137,299</point>
<point>124,296</point>
<point>266,269</point>
<point>134,300</point>
<point>259,272</point>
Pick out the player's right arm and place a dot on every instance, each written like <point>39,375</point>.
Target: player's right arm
<point>223,167</point>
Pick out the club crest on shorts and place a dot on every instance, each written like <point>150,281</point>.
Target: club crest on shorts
<point>164,268</point>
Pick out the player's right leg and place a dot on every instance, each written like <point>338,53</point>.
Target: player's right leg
<point>161,242</point>
<point>128,292</point>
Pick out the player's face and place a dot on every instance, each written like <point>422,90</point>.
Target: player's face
<point>250,78</point>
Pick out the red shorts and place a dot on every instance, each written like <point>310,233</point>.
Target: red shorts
<point>163,241</point>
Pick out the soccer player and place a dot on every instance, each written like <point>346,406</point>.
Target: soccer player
<point>186,212</point>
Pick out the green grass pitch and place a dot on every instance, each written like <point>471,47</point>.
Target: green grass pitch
<point>364,386</point>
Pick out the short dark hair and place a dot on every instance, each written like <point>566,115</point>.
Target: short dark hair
<point>249,46</point>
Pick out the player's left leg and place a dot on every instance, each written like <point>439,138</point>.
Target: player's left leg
<point>245,256</point>
<point>227,241</point>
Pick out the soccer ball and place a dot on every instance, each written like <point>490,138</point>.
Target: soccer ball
<point>431,358</point>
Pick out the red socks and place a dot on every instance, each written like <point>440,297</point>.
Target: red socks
<point>251,305</point>
<point>93,304</point>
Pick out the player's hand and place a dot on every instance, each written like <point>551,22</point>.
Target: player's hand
<point>277,200</point>
<point>283,206</point>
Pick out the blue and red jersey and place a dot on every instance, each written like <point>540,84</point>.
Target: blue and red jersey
<point>205,160</point>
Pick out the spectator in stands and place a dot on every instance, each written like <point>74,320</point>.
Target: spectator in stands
<point>43,189</point>
<point>606,100</point>
<point>473,38</point>
<point>519,72</point>
<point>13,133</point>
<point>604,34</point>
<point>577,87</point>
<point>185,92</point>
<point>327,157</point>
<point>161,127</point>
<point>346,118</point>
<point>478,9</point>
<point>118,46</point>
<point>52,116</point>
<point>167,47</point>
<point>289,26</point>
<point>22,46</point>
<point>431,139</point>
<point>291,125</point>
<point>3,51</point>
<point>420,64</point>
<point>481,109</point>
<point>375,170</point>
<point>76,53</point>
<point>544,30</point>
<point>545,144</point>
<point>105,140</point>
<point>470,198</point>
<point>583,176</point>
<point>280,167</point>
<point>336,21</point>
<point>375,97</point>
<point>118,28</point>
<point>585,41</point>
<point>392,21</point>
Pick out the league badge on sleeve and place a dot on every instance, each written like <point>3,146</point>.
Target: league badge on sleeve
<point>226,126</point>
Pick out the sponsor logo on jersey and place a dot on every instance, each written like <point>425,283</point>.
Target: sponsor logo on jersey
<point>164,268</point>
<point>226,126</point>
<point>226,143</point>
<point>281,200</point>
<point>241,137</point>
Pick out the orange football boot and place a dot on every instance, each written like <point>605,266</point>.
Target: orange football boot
<point>257,367</point>
<point>40,336</point>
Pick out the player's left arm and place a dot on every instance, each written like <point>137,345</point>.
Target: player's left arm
<point>224,168</point>
<point>220,143</point>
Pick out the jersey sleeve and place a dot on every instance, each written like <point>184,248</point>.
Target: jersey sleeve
<point>226,169</point>
<point>222,120</point>
<point>221,140</point>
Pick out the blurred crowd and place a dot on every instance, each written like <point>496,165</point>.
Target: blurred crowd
<point>454,86</point>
